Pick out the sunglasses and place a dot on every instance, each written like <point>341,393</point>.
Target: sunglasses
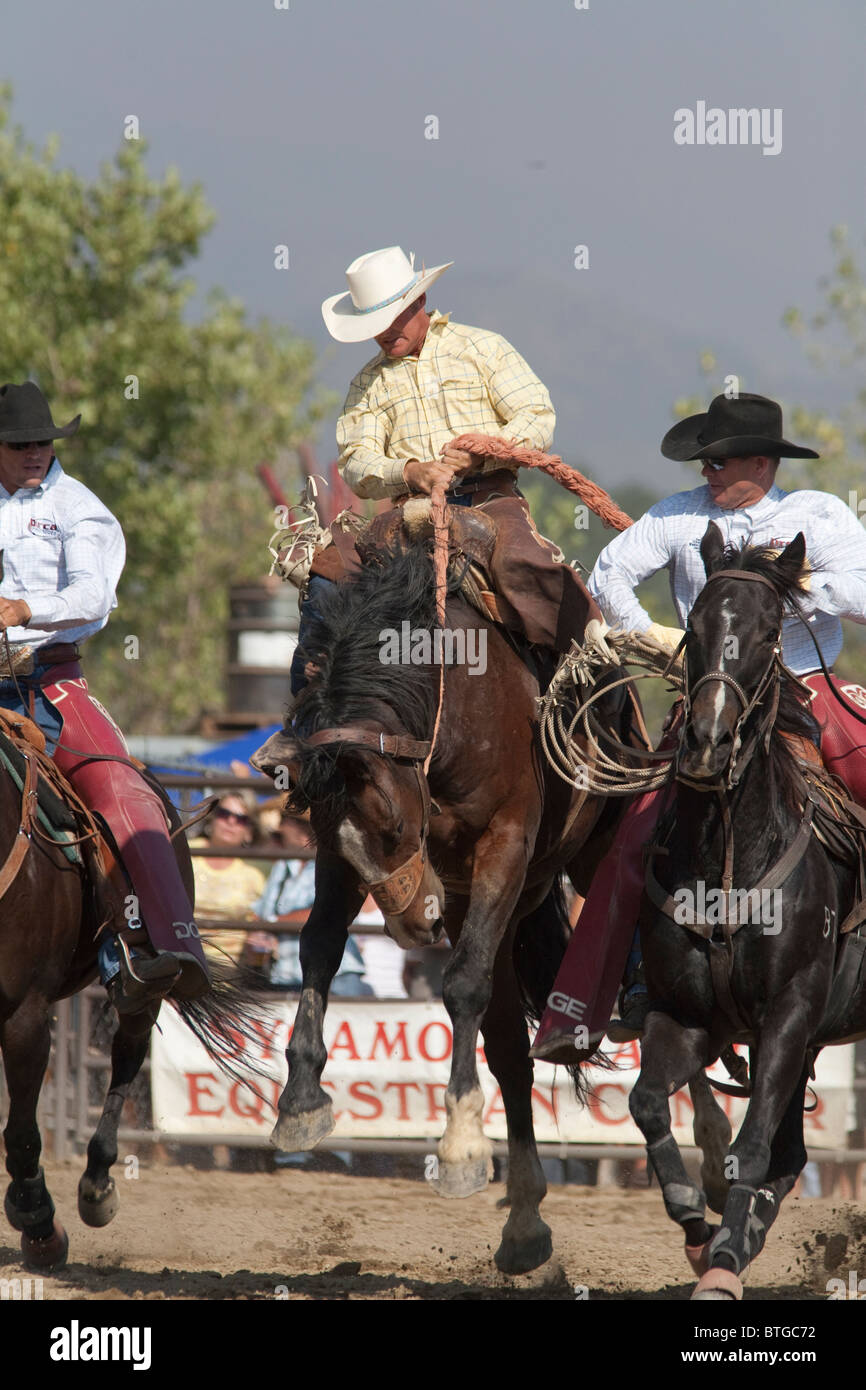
<point>222,814</point>
<point>715,465</point>
<point>30,444</point>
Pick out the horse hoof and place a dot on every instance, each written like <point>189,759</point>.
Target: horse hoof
<point>298,1133</point>
<point>698,1256</point>
<point>462,1179</point>
<point>521,1256</point>
<point>719,1284</point>
<point>95,1207</point>
<point>12,1215</point>
<point>46,1255</point>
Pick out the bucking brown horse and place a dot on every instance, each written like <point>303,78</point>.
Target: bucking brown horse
<point>473,844</point>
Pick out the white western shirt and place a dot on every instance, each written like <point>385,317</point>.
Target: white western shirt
<point>669,535</point>
<point>63,552</point>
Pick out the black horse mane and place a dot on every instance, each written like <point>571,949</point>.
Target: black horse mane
<point>354,683</point>
<point>795,711</point>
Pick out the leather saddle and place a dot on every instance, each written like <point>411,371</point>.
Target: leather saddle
<point>471,539</point>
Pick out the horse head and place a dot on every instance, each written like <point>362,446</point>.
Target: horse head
<point>732,656</point>
<point>370,803</point>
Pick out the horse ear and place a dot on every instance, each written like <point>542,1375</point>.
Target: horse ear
<point>794,553</point>
<point>712,549</point>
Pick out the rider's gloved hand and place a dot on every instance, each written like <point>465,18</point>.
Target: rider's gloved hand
<point>596,632</point>
<point>669,637</point>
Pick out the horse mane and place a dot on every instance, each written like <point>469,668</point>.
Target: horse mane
<point>354,683</point>
<point>794,716</point>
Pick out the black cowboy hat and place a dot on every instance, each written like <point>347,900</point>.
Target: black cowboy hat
<point>733,429</point>
<point>25,415</point>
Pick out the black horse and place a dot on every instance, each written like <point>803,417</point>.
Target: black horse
<point>724,965</point>
<point>476,848</point>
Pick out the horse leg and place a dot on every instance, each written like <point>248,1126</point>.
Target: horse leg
<point>671,1054</point>
<point>97,1193</point>
<point>778,1068</point>
<point>526,1239</point>
<point>306,1112</point>
<point>713,1137</point>
<point>787,1160</point>
<point>465,1162</point>
<point>25,1041</point>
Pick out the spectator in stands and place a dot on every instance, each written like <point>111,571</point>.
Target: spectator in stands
<point>227,886</point>
<point>288,896</point>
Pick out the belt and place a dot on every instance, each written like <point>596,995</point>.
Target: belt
<point>501,480</point>
<point>56,653</point>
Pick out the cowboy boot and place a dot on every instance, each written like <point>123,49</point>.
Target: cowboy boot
<point>633,1000</point>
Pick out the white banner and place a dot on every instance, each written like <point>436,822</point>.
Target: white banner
<point>387,1069</point>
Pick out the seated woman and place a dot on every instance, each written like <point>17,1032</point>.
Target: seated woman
<point>225,885</point>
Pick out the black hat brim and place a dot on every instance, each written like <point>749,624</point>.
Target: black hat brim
<point>682,443</point>
<point>22,436</point>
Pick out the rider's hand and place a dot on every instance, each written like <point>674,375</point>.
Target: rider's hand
<point>595,634</point>
<point>669,637</point>
<point>14,612</point>
<point>423,477</point>
<point>458,459</point>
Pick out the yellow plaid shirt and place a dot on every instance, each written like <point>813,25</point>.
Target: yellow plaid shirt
<point>463,379</point>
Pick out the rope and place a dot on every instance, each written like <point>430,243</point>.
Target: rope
<point>595,497</point>
<point>566,708</point>
<point>440,572</point>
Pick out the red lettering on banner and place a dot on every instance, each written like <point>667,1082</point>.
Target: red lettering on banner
<point>435,1108</point>
<point>400,1040</point>
<point>402,1087</point>
<point>267,1036</point>
<point>331,1086</point>
<point>196,1082</point>
<point>597,1104</point>
<point>237,1040</point>
<point>496,1107</point>
<point>246,1112</point>
<point>423,1046</point>
<point>371,1099</point>
<point>347,1046</point>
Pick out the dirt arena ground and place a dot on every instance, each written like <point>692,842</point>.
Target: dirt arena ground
<point>214,1235</point>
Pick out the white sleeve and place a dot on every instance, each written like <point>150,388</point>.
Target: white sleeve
<point>633,556</point>
<point>94,552</point>
<point>837,556</point>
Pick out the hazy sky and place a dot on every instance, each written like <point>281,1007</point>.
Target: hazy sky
<point>556,128</point>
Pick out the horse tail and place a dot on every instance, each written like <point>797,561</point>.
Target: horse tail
<point>224,1020</point>
<point>539,946</point>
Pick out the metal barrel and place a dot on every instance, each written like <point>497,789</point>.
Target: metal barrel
<point>262,636</point>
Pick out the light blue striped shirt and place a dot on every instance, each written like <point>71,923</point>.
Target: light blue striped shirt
<point>669,536</point>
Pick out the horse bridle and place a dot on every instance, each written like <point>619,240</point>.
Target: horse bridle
<point>749,703</point>
<point>397,891</point>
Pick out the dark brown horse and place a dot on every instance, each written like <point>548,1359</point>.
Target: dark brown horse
<point>49,916</point>
<point>475,847</point>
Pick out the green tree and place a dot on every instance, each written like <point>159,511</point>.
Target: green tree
<point>177,410</point>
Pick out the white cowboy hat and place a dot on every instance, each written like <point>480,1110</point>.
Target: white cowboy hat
<point>381,285</point>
